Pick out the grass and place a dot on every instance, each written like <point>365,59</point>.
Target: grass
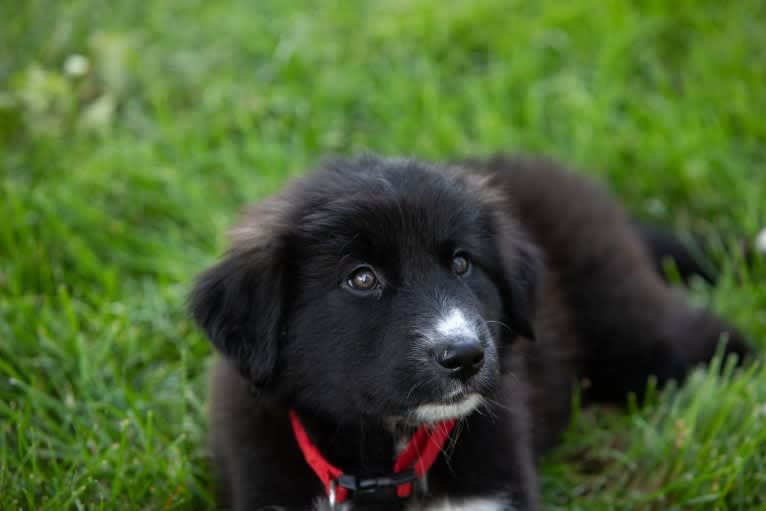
<point>116,185</point>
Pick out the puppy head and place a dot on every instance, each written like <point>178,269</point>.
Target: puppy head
<point>373,288</point>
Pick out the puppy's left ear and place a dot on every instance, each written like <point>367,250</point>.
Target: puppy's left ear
<point>521,275</point>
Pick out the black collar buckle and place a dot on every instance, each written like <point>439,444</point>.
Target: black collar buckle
<point>373,484</point>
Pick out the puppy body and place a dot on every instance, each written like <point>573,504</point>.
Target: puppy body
<point>551,259</point>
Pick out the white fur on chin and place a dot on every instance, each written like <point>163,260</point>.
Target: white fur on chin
<point>439,412</point>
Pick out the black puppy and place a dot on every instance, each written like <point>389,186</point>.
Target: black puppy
<point>376,301</point>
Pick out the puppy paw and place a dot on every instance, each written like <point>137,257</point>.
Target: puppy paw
<point>738,345</point>
<point>760,242</point>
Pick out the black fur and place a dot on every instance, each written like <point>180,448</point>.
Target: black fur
<point>563,285</point>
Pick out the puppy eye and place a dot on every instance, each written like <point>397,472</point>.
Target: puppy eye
<point>363,279</point>
<point>460,263</point>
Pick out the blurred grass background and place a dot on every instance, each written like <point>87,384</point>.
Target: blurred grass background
<point>131,133</point>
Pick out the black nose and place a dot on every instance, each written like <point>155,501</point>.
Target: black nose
<point>462,359</point>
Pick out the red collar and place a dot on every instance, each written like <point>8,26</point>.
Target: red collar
<point>414,461</point>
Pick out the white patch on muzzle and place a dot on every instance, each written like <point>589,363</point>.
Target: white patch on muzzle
<point>454,324</point>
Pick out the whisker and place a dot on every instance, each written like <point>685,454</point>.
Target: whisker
<point>485,410</point>
<point>444,449</point>
<point>500,405</point>
<point>507,327</point>
<point>513,375</point>
<point>412,389</point>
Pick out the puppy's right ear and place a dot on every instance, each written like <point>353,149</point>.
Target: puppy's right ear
<point>522,272</point>
<point>238,303</point>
